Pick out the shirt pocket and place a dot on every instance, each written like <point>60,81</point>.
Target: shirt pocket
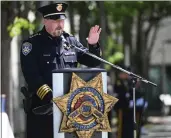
<point>49,61</point>
<point>70,57</point>
<point>47,58</point>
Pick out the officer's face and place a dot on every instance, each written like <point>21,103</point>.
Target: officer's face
<point>123,76</point>
<point>54,27</point>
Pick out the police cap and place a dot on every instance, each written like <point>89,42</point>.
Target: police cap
<point>54,11</point>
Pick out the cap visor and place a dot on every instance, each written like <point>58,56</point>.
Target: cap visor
<point>57,17</point>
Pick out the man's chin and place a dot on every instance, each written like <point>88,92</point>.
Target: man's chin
<point>58,32</point>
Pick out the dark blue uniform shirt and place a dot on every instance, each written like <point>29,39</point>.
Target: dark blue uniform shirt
<point>41,53</point>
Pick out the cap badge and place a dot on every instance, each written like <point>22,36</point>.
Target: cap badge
<point>59,7</point>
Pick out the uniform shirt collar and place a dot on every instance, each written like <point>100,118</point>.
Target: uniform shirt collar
<point>49,35</point>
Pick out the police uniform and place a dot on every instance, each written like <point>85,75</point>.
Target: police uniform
<point>124,108</point>
<point>40,54</point>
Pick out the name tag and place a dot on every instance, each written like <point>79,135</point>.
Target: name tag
<point>46,55</point>
<point>69,53</point>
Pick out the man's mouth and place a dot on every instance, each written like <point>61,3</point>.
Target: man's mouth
<point>58,32</point>
<point>59,28</point>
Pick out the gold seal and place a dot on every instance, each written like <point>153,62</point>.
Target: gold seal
<point>85,108</point>
<point>59,7</point>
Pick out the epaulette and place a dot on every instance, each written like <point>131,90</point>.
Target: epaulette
<point>35,35</point>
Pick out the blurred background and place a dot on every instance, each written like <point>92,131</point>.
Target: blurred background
<point>134,35</point>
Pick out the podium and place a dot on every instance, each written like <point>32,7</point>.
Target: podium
<point>61,86</point>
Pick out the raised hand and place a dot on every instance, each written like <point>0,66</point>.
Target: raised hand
<point>94,34</point>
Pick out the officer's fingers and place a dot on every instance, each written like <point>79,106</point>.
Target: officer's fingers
<point>91,30</point>
<point>99,31</point>
<point>96,28</point>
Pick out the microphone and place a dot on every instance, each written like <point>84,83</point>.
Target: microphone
<point>66,45</point>
<point>79,47</point>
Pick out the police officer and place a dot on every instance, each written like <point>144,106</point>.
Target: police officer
<point>45,51</point>
<point>121,107</point>
<point>124,107</point>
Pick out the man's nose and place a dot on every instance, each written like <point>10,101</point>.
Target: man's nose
<point>60,23</point>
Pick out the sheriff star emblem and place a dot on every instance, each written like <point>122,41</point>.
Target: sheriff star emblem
<point>85,107</point>
<point>59,7</point>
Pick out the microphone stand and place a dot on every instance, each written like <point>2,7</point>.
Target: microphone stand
<point>44,109</point>
<point>134,79</point>
<point>86,51</point>
<point>133,82</point>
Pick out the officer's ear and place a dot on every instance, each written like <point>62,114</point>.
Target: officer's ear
<point>44,21</point>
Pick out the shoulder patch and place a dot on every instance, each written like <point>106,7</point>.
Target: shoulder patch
<point>26,48</point>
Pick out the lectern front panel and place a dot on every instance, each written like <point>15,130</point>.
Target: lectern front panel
<point>61,86</point>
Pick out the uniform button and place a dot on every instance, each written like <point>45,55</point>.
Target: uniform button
<point>48,62</point>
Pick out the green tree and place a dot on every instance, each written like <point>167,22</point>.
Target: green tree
<point>126,15</point>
